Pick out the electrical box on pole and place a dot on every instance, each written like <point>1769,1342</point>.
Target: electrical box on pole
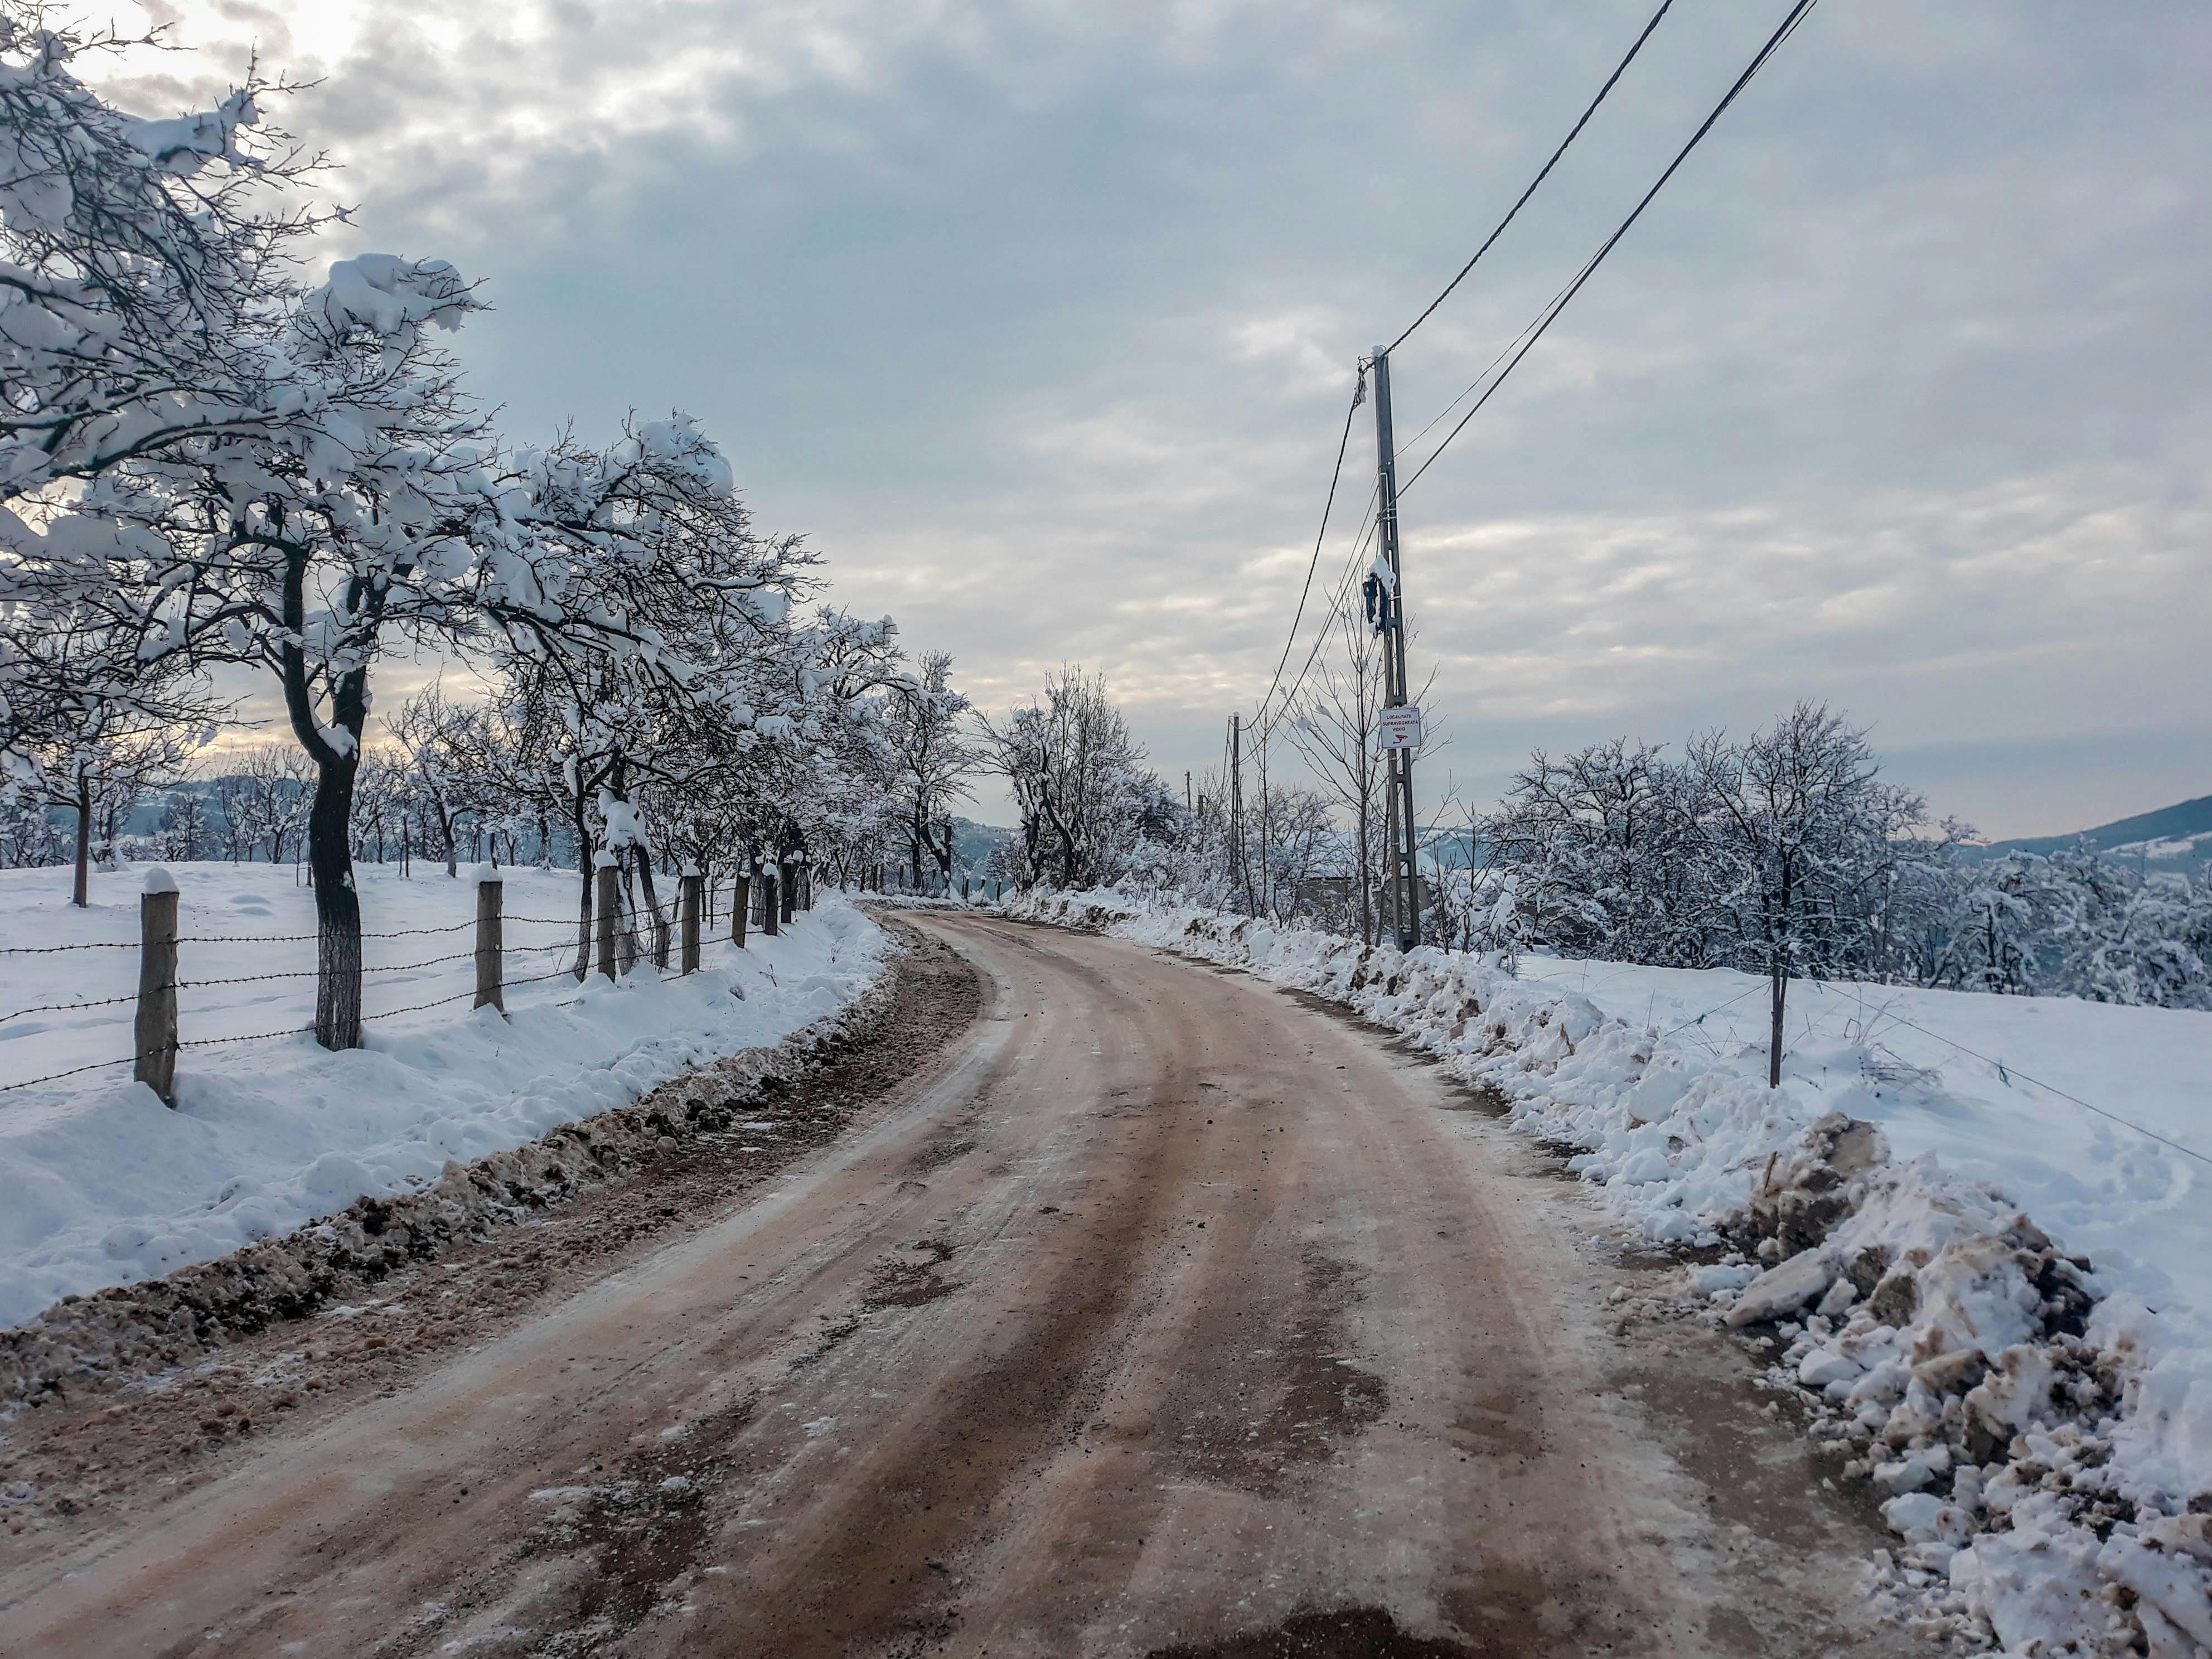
<point>1395,728</point>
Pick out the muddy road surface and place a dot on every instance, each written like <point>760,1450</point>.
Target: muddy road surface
<point>1158,1312</point>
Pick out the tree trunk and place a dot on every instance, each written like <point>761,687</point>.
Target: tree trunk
<point>653,907</point>
<point>337,907</point>
<point>83,892</point>
<point>1366,897</point>
<point>586,880</point>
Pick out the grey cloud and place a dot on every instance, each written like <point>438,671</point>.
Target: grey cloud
<point>1040,318</point>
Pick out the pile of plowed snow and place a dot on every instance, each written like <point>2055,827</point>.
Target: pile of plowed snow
<point>2040,1413</point>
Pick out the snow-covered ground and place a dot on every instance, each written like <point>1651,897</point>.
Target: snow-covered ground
<point>100,1184</point>
<point>2042,1430</point>
<point>2009,1090</point>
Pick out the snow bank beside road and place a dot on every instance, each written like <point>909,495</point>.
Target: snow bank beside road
<point>102,1185</point>
<point>1982,1082</point>
<point>2045,1436</point>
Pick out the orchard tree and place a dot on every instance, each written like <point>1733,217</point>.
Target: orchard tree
<point>936,756</point>
<point>1081,787</point>
<point>88,714</point>
<point>146,266</point>
<point>443,743</point>
<point>1799,825</point>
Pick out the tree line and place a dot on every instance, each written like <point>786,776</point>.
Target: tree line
<point>1786,853</point>
<point>217,470</point>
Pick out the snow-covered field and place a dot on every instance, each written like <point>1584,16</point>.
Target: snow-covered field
<point>2001,1088</point>
<point>100,1184</point>
<point>2042,1431</point>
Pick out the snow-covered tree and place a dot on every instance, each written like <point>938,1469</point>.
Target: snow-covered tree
<point>1609,854</point>
<point>1085,798</point>
<point>267,799</point>
<point>1799,828</point>
<point>936,756</point>
<point>1333,726</point>
<point>442,743</point>
<point>146,265</point>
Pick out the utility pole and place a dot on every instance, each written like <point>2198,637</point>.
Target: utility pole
<point>1236,807</point>
<point>1267,894</point>
<point>1404,885</point>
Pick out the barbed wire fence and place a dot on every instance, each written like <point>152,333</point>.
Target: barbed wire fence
<point>640,941</point>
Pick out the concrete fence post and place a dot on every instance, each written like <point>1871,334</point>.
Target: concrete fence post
<point>694,885</point>
<point>491,941</point>
<point>157,1032</point>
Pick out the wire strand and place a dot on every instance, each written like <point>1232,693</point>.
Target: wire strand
<point>1542,174</point>
<point>1789,27</point>
<point>1314,563</point>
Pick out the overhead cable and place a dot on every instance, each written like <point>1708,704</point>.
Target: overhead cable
<point>1789,27</point>
<point>1542,174</point>
<point>1359,396</point>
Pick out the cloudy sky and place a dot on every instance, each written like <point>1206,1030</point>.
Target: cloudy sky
<point>1040,319</point>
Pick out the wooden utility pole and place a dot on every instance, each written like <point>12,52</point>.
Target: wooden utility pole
<point>1404,885</point>
<point>1236,807</point>
<point>1265,896</point>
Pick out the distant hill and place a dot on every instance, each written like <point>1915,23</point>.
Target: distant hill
<point>2176,837</point>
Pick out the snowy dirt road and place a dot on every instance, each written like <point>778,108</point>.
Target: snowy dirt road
<point>1160,1312</point>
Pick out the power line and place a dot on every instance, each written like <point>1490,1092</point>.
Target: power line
<point>1574,132</point>
<point>1367,522</point>
<point>1789,27</point>
<point>1337,596</point>
<point>1543,173</point>
<point>1319,536</point>
<point>1475,385</point>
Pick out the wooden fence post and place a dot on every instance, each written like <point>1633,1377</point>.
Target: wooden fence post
<point>157,986</point>
<point>491,943</point>
<point>741,898</point>
<point>770,898</point>
<point>693,884</point>
<point>610,902</point>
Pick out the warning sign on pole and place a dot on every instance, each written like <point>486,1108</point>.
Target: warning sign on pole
<point>1399,727</point>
